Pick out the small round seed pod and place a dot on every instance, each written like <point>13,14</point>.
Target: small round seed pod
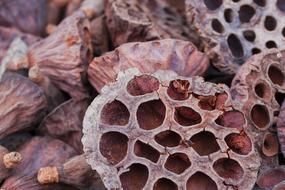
<point>163,131</point>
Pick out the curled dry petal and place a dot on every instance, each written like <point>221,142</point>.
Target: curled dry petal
<point>134,20</point>
<point>11,14</point>
<point>63,56</point>
<point>65,123</point>
<point>179,56</point>
<point>22,103</point>
<point>38,152</point>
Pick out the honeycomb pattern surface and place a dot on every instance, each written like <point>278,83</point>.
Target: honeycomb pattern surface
<point>233,30</point>
<point>259,87</point>
<point>161,131</point>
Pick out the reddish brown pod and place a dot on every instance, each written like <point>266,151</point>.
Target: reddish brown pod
<point>23,104</point>
<point>177,55</point>
<point>28,17</point>
<point>163,131</point>
<point>234,30</point>
<point>75,172</point>
<point>65,123</point>
<point>272,178</point>
<point>281,128</point>
<point>38,152</point>
<point>134,20</point>
<point>64,55</point>
<point>259,89</point>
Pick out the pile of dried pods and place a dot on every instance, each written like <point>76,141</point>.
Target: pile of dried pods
<point>142,94</point>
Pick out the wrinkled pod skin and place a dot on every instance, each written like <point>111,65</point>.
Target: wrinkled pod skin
<point>38,152</point>
<point>23,104</point>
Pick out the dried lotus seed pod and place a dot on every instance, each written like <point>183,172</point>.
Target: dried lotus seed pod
<point>169,54</point>
<point>233,30</point>
<point>259,90</point>
<point>165,131</point>
<point>64,55</point>
<point>23,104</point>
<point>135,20</point>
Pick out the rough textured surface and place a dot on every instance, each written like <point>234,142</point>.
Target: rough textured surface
<point>69,51</point>
<point>179,56</point>
<point>28,17</point>
<point>281,128</point>
<point>164,131</point>
<point>259,89</point>
<point>271,177</point>
<point>234,30</point>
<point>134,20</point>
<point>4,172</point>
<point>23,104</point>
<point>38,152</point>
<point>65,123</point>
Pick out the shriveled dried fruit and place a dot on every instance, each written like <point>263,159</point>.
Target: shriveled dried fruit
<point>134,20</point>
<point>63,56</point>
<point>23,104</point>
<point>11,14</point>
<point>38,152</point>
<point>139,135</point>
<point>8,160</point>
<point>75,172</point>
<point>179,56</point>
<point>271,177</point>
<point>65,123</point>
<point>260,90</point>
<point>235,30</point>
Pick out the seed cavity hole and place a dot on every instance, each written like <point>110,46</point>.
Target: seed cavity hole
<point>270,23</point>
<point>270,145</point>
<point>279,97</point>
<point>281,5</point>
<point>213,4</point>
<point>177,163</point>
<point>255,51</point>
<point>246,12</point>
<point>204,143</point>
<point>135,178</point>
<point>249,35</point>
<point>283,32</point>
<point>217,26</point>
<point>113,146</point>
<point>239,143</point>
<point>115,113</point>
<point>276,75</point>
<point>168,138</point>
<point>271,177</point>
<point>143,84</point>
<point>235,46</point>
<point>262,90</point>
<point>228,169</point>
<point>151,114</point>
<point>146,151</point>
<point>165,184</point>
<point>179,89</point>
<point>229,15</point>
<point>231,119</point>
<point>260,116</point>
<point>201,181</point>
<point>186,116</point>
<point>261,3</point>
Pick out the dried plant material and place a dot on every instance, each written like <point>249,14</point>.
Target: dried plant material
<point>65,123</point>
<point>138,129</point>
<point>134,20</point>
<point>38,152</point>
<point>179,56</point>
<point>75,172</point>
<point>271,177</point>
<point>72,6</point>
<point>280,186</point>
<point>235,30</point>
<point>12,159</point>
<point>33,21</point>
<point>14,141</point>
<point>259,89</point>
<point>281,128</point>
<point>99,35</point>
<point>23,104</point>
<point>92,8</point>
<point>54,9</point>
<point>63,56</point>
